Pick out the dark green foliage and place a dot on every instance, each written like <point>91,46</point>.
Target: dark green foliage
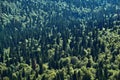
<point>59,40</point>
<point>86,77</point>
<point>75,76</point>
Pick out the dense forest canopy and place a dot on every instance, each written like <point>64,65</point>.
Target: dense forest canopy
<point>59,39</point>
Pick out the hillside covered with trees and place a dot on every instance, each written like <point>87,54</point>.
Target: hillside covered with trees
<point>59,39</point>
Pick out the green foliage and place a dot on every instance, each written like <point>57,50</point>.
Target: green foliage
<point>59,40</point>
<point>49,75</point>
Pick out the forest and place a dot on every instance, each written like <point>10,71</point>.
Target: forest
<point>59,39</point>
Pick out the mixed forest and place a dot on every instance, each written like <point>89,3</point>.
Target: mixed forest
<point>59,39</point>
